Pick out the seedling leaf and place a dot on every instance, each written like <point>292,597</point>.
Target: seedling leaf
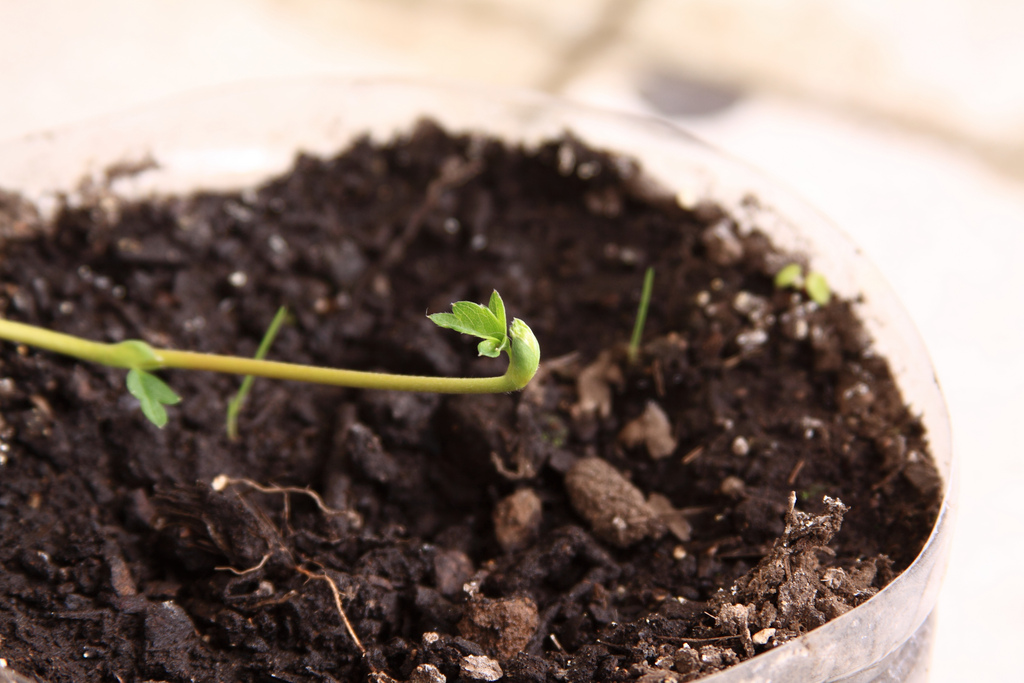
<point>817,288</point>
<point>485,322</point>
<point>641,315</point>
<point>489,348</point>
<point>153,394</point>
<point>497,307</point>
<point>789,276</point>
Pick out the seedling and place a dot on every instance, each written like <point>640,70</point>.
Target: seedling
<point>813,284</point>
<point>641,315</point>
<point>140,359</point>
<point>235,404</point>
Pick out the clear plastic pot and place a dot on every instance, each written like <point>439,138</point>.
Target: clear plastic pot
<point>234,138</point>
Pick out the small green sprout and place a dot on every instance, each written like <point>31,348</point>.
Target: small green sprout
<point>235,404</point>
<point>790,276</point>
<point>817,288</point>
<point>641,315</point>
<point>488,323</point>
<point>153,394</point>
<point>814,283</point>
<point>141,359</point>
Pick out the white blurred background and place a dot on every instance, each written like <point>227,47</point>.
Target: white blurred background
<point>903,120</point>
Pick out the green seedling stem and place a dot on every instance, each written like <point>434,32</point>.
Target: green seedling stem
<point>488,323</point>
<point>235,405</point>
<point>641,315</point>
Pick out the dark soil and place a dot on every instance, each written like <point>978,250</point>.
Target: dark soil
<point>613,522</point>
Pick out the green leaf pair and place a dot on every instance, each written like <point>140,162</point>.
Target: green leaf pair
<point>153,394</point>
<point>814,283</point>
<point>486,322</point>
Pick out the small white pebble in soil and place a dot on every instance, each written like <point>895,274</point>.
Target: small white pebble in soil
<point>430,637</point>
<point>240,213</point>
<point>703,298</point>
<point>238,279</point>
<point>629,256</point>
<point>220,482</point>
<point>381,286</point>
<point>66,307</point>
<point>743,302</point>
<point>740,446</point>
<point>856,398</point>
<point>566,159</point>
<point>763,636</point>
<point>452,225</point>
<point>748,340</point>
<point>794,326</point>
<point>587,170</point>
<point>812,426</point>
<point>733,486</point>
<point>665,662</point>
<point>686,198</point>
<point>678,553</point>
<point>478,242</point>
<point>481,668</point>
<point>427,673</point>
<point>277,244</point>
<point>753,306</point>
<point>196,323</point>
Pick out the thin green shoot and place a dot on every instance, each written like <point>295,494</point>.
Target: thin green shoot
<point>518,341</point>
<point>235,404</point>
<point>641,316</point>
